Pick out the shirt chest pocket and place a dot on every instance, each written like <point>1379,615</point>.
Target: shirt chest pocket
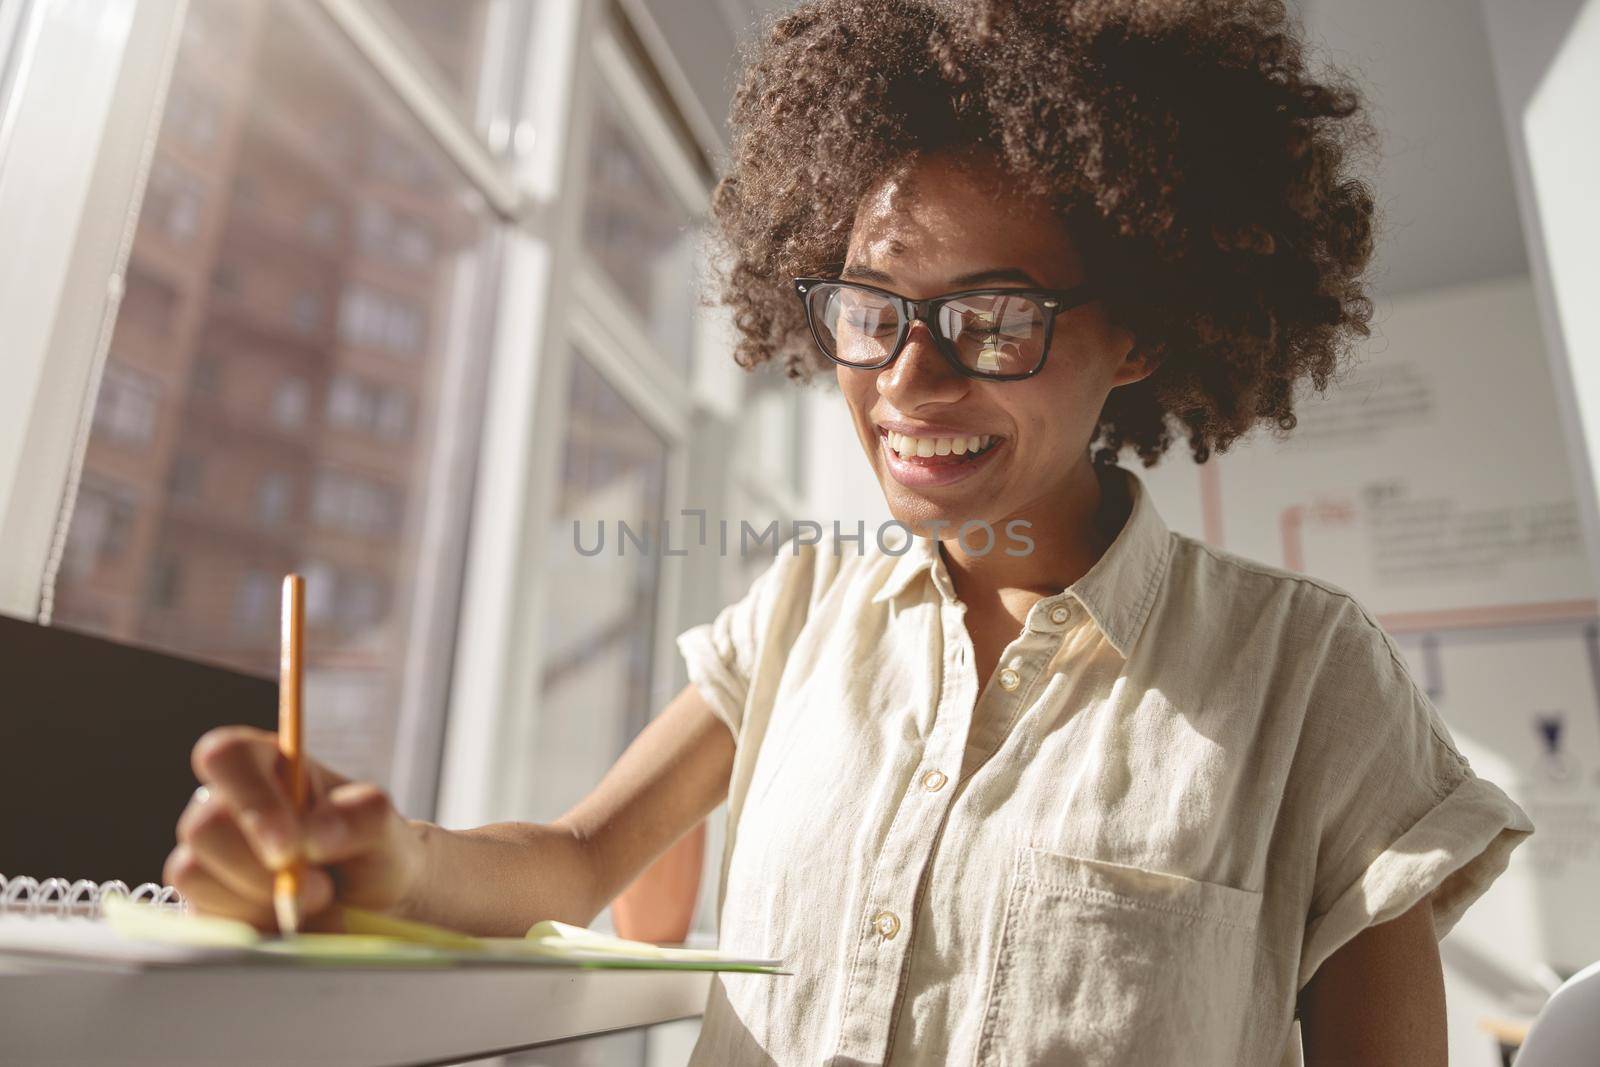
<point>1100,963</point>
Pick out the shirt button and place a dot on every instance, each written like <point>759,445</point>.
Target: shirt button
<point>1060,614</point>
<point>934,781</point>
<point>1009,679</point>
<point>887,923</point>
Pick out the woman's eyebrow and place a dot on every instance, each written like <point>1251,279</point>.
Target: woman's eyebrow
<point>995,274</point>
<point>998,274</point>
<point>867,274</point>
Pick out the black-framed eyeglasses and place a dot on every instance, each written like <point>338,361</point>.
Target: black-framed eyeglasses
<point>994,334</point>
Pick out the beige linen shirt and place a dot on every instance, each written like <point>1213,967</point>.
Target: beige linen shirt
<point>1191,778</point>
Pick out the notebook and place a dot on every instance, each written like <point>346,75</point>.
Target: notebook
<point>83,899</point>
<point>151,927</point>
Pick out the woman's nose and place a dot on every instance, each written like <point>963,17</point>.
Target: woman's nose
<point>920,374</point>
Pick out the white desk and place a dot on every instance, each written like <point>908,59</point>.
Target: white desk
<point>270,1015</point>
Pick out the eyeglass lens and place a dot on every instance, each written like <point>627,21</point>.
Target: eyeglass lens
<point>989,334</point>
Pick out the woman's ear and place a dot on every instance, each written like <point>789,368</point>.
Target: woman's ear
<point>1138,362</point>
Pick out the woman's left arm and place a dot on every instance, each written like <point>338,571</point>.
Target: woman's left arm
<point>1379,999</point>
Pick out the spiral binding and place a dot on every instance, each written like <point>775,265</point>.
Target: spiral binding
<point>59,898</point>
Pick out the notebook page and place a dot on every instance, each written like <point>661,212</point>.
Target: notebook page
<point>373,939</point>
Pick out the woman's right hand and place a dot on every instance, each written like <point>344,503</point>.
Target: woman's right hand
<point>241,828</point>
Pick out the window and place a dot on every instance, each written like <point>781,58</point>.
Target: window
<point>299,362</point>
<point>372,318</point>
<point>392,162</point>
<point>205,375</point>
<point>274,497</point>
<point>173,202</point>
<point>765,469</point>
<point>226,279</point>
<point>346,599</point>
<point>102,525</point>
<point>187,480</point>
<point>362,602</point>
<point>599,633</point>
<point>149,303</point>
<point>322,224</point>
<point>290,403</point>
<point>387,236</point>
<point>343,698</point>
<point>255,602</point>
<point>192,117</point>
<point>307,313</point>
<point>355,504</point>
<point>166,583</point>
<point>11,27</point>
<point>322,597</point>
<point>365,407</point>
<point>640,234</point>
<point>126,413</point>
<point>349,403</point>
<point>451,34</point>
<point>219,31</point>
<point>393,420</point>
<point>216,375</point>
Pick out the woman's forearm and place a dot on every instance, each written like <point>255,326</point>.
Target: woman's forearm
<point>500,879</point>
<point>659,904</point>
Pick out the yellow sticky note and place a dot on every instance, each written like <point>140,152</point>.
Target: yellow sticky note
<point>373,924</point>
<point>145,922</point>
<point>560,936</point>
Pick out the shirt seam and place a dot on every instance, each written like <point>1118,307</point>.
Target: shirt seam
<point>1388,848</point>
<point>1157,574</point>
<point>1239,562</point>
<point>1118,900</point>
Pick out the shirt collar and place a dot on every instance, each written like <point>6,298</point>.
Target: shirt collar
<point>1117,591</point>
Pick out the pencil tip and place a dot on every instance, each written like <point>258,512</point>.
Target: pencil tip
<point>288,912</point>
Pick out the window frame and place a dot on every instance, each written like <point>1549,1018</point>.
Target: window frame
<point>534,298</point>
<point>674,400</point>
<point>496,702</point>
<point>90,146</point>
<point>16,22</point>
<point>86,128</point>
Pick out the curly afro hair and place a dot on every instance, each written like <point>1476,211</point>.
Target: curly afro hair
<point>1204,171</point>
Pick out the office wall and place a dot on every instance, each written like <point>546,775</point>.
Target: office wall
<point>1562,143</point>
<point>1526,41</point>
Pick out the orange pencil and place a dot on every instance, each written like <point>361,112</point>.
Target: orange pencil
<point>291,738</point>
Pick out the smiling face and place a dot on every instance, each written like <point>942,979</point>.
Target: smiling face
<point>940,226</point>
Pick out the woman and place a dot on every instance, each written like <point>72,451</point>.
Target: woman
<point>1048,782</point>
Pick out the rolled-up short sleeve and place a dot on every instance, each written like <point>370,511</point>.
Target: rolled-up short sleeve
<point>724,656</point>
<point>1402,813</point>
<point>713,658</point>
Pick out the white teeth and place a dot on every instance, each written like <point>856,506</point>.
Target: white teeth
<point>905,445</point>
